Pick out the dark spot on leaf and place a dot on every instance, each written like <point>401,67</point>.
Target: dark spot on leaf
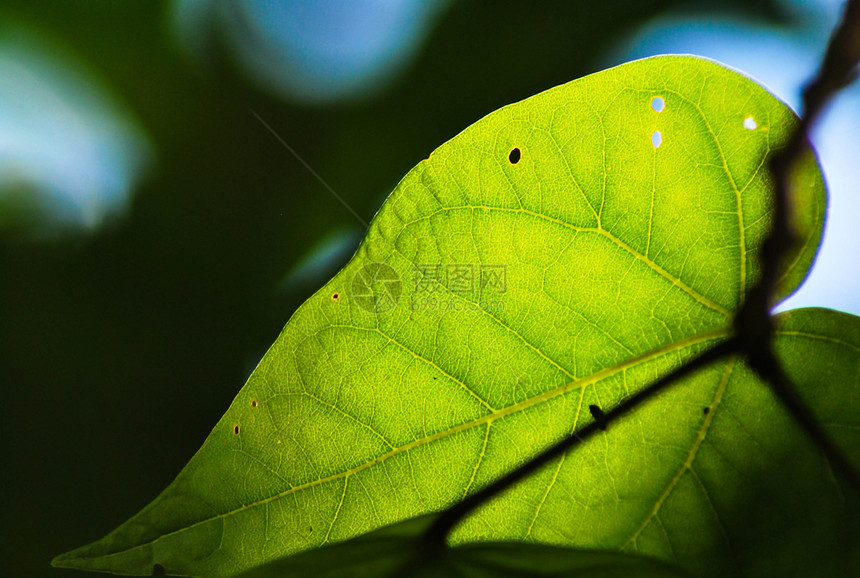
<point>707,409</point>
<point>236,430</point>
<point>515,155</point>
<point>335,297</point>
<point>255,403</point>
<point>158,570</point>
<point>598,416</point>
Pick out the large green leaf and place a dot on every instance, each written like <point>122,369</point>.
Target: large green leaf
<point>548,258</point>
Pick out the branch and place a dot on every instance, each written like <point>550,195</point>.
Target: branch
<point>448,519</point>
<point>753,323</point>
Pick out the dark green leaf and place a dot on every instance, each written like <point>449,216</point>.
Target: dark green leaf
<point>392,551</point>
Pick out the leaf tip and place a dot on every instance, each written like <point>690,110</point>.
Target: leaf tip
<point>68,560</point>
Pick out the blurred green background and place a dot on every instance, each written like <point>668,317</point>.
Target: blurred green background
<point>155,236</point>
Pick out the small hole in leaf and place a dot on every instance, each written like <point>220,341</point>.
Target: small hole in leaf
<point>707,409</point>
<point>235,430</point>
<point>158,570</point>
<point>335,297</point>
<point>255,403</point>
<point>749,123</point>
<point>515,156</point>
<point>656,139</point>
<point>658,104</point>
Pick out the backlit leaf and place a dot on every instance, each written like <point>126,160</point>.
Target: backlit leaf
<point>556,255</point>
